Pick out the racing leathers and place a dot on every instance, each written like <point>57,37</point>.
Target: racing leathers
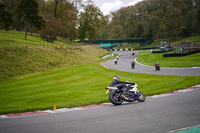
<point>119,84</point>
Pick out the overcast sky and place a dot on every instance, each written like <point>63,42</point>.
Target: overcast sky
<point>107,6</point>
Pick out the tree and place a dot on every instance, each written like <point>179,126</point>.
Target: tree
<point>90,21</point>
<point>10,8</point>
<point>28,12</point>
<point>53,28</point>
<point>6,17</point>
<point>105,28</point>
<point>74,19</point>
<point>65,11</point>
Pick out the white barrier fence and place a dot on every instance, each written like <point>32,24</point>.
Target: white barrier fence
<point>106,56</point>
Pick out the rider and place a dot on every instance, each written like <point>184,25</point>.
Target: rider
<point>119,84</point>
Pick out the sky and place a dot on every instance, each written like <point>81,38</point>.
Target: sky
<point>107,6</point>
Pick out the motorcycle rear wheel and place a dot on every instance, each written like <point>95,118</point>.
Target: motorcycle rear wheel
<point>115,99</point>
<point>140,97</point>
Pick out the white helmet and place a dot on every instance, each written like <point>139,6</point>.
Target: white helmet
<point>116,77</point>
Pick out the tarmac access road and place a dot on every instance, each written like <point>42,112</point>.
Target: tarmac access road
<point>124,64</point>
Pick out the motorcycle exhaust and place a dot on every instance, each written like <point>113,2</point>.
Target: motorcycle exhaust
<point>125,98</point>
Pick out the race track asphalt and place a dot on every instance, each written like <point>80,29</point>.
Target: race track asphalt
<point>155,115</point>
<point>124,64</point>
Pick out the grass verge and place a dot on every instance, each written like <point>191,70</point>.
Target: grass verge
<point>184,61</point>
<point>77,86</point>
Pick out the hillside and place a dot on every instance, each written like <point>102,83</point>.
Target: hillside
<point>20,57</point>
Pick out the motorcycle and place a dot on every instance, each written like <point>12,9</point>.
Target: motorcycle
<point>133,65</point>
<point>157,68</point>
<point>116,62</point>
<point>129,93</point>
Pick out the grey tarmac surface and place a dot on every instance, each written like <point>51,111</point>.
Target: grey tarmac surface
<point>157,115</point>
<point>124,64</point>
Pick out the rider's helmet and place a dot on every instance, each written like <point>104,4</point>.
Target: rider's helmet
<point>116,77</point>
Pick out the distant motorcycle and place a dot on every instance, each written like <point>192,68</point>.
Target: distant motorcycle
<point>116,61</point>
<point>129,93</point>
<point>133,65</point>
<point>157,66</point>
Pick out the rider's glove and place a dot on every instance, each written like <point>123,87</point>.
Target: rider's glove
<point>132,83</point>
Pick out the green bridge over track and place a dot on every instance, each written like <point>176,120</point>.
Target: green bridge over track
<point>143,42</point>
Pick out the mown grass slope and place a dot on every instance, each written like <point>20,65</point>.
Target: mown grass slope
<point>18,61</point>
<point>20,57</point>
<point>77,86</point>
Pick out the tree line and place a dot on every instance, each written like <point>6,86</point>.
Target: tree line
<point>70,19</point>
<point>156,19</point>
<point>67,19</point>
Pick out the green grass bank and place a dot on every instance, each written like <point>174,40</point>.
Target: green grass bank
<point>77,86</point>
<point>148,58</point>
<point>21,57</point>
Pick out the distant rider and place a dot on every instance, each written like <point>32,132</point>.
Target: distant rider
<point>157,66</point>
<point>116,60</point>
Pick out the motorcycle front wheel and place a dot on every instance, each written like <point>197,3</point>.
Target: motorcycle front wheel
<point>115,98</point>
<point>140,97</point>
